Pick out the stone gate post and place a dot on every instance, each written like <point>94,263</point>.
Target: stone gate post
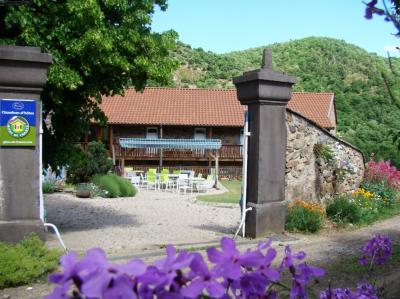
<point>266,93</point>
<point>23,73</point>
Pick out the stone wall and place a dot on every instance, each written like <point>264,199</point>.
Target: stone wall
<point>312,178</point>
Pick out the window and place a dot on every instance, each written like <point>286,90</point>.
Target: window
<point>200,133</point>
<point>152,133</point>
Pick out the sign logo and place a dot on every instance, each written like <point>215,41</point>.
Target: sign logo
<point>17,127</point>
<point>18,105</point>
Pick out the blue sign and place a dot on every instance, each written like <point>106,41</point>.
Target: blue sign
<point>17,122</point>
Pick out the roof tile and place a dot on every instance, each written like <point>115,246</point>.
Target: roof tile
<point>201,107</point>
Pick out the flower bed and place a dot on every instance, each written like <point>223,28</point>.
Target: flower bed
<point>377,195</point>
<point>304,216</point>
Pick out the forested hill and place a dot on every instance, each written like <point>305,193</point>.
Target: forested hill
<point>366,113</point>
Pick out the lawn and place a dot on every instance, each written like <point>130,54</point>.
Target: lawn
<point>232,196</point>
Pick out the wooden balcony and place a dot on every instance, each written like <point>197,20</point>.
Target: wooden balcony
<point>226,153</point>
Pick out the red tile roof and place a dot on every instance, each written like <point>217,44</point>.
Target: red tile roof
<point>201,107</point>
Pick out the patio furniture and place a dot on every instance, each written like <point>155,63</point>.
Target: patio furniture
<point>173,179</point>
<point>153,170</point>
<point>205,185</point>
<point>189,173</point>
<point>165,181</point>
<point>182,183</point>
<point>135,180</point>
<point>151,180</point>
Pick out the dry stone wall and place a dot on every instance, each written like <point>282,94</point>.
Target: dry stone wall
<point>312,178</point>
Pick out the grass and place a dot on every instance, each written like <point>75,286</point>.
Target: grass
<point>232,196</point>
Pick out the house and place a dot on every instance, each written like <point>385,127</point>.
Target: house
<point>192,113</point>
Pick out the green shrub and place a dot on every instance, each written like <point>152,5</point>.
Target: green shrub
<point>25,262</point>
<point>77,169</point>
<point>99,161</point>
<point>83,166</point>
<point>49,187</point>
<point>342,211</point>
<point>387,194</point>
<point>325,152</point>
<point>108,184</point>
<point>125,186</point>
<point>114,186</point>
<point>301,218</point>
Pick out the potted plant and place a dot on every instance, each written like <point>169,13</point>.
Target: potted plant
<point>83,190</point>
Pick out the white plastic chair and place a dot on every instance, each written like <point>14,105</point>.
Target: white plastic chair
<point>183,183</point>
<point>135,180</point>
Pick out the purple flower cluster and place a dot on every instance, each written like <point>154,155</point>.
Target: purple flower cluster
<point>364,291</point>
<point>376,251</point>
<point>228,273</point>
<point>372,9</point>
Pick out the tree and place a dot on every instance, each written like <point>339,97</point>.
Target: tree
<point>100,47</point>
<point>391,14</point>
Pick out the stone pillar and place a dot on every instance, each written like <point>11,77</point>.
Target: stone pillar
<point>266,93</point>
<point>23,73</point>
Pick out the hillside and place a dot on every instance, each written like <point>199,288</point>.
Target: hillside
<point>366,114</point>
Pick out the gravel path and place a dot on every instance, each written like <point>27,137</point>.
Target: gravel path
<point>148,221</point>
<point>140,225</point>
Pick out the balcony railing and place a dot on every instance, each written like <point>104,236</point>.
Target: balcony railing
<point>227,152</point>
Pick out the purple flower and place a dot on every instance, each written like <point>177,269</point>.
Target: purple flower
<point>202,278</point>
<point>228,262</point>
<point>170,269</point>
<point>377,251</point>
<point>301,273</point>
<point>95,277</point>
<point>365,290</point>
<point>253,285</point>
<point>265,265</point>
<point>338,293</point>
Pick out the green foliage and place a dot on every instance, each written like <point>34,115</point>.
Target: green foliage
<point>367,115</point>
<point>371,202</point>
<point>125,186</point>
<point>325,152</point>
<point>95,191</point>
<point>114,186</point>
<point>99,161</point>
<point>82,166</point>
<point>99,47</point>
<point>77,169</point>
<point>49,186</point>
<point>108,184</point>
<point>343,211</point>
<point>299,218</point>
<point>381,189</point>
<point>25,262</point>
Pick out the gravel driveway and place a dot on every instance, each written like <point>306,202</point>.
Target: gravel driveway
<point>148,221</point>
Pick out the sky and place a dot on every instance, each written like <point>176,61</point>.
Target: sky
<point>223,26</point>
